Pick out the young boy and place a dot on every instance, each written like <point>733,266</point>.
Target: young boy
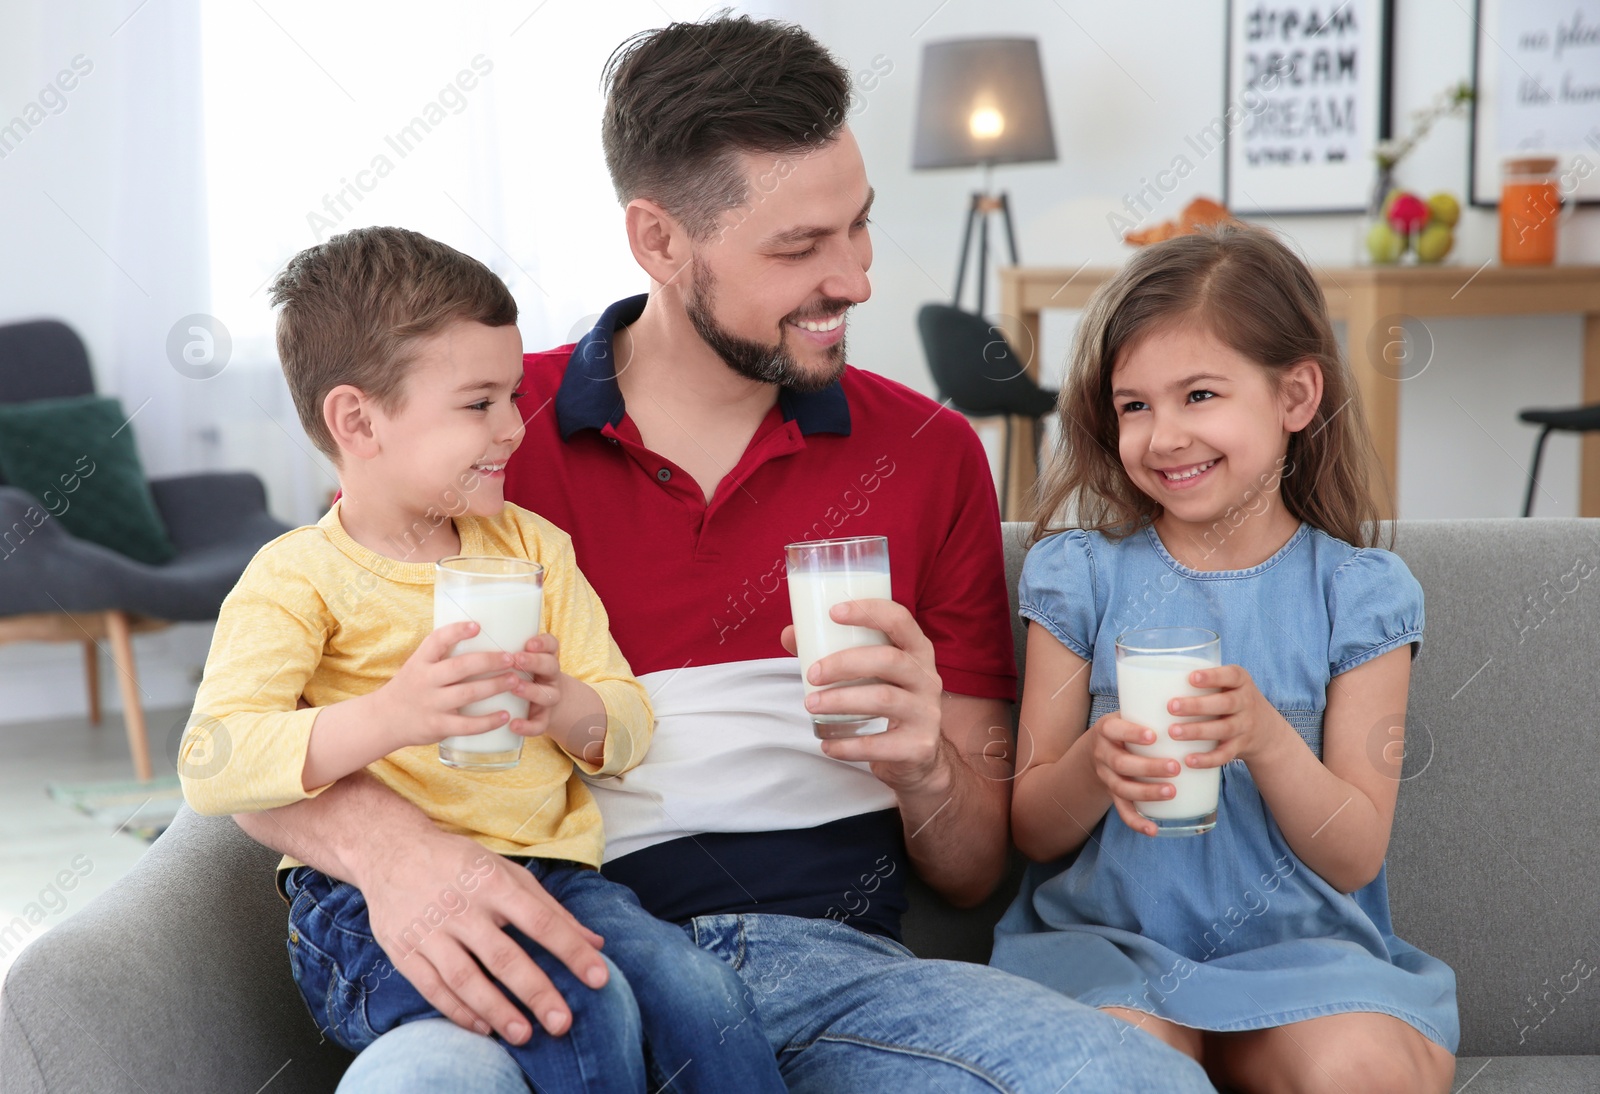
<point>404,361</point>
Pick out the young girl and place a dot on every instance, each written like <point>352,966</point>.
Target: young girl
<point>1214,453</point>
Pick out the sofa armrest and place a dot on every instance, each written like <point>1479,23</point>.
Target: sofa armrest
<point>204,510</point>
<point>176,979</point>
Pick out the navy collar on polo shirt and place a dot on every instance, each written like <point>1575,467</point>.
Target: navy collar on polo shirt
<point>589,397</point>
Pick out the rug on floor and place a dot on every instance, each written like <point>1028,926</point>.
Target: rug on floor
<point>142,809</point>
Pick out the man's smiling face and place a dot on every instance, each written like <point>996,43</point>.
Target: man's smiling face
<point>769,288</point>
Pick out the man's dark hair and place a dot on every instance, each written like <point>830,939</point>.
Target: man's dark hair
<point>683,102</point>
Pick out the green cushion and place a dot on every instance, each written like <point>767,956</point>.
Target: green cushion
<point>78,458</point>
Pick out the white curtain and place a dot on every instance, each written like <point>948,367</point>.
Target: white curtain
<point>103,188</point>
<point>480,127</point>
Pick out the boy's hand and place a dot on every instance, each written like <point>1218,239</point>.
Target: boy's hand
<point>420,703</point>
<point>1119,770</point>
<point>1238,717</point>
<point>541,660</point>
<point>562,708</point>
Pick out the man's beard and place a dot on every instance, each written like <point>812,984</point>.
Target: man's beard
<point>753,360</point>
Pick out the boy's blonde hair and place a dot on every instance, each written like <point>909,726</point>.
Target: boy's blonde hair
<point>1255,296</point>
<point>353,305</point>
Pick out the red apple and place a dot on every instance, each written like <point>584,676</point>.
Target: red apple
<point>1408,213</point>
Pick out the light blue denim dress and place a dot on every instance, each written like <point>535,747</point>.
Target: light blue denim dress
<point>1228,930</point>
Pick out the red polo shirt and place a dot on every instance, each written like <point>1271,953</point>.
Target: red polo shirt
<point>735,780</point>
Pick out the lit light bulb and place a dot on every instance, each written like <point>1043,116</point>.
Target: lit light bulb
<point>987,123</point>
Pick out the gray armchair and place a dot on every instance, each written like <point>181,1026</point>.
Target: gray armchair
<point>56,587</point>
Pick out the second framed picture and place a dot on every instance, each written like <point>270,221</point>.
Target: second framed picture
<point>1306,100</point>
<point>1536,69</point>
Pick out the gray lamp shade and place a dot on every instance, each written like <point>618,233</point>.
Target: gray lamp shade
<point>982,100</point>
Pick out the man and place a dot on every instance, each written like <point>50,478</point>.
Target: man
<point>682,443</point>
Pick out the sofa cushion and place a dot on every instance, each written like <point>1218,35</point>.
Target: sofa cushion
<point>1494,861</point>
<point>1526,1074</point>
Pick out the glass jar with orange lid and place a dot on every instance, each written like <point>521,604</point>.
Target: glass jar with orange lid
<point>1530,211</point>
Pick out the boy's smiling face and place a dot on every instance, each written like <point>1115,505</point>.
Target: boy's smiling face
<point>446,445</point>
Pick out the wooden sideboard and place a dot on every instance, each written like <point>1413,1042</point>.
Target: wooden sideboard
<point>1368,299</point>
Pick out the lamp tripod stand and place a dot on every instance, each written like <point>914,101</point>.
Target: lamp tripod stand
<point>978,209</point>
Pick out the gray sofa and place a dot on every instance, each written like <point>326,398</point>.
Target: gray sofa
<point>176,980</point>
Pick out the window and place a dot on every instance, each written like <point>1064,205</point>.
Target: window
<point>477,124</point>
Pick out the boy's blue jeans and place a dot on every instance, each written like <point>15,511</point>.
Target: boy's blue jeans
<point>669,1007</point>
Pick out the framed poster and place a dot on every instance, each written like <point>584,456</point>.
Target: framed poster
<point>1536,74</point>
<point>1306,100</point>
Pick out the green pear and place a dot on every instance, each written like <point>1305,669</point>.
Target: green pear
<point>1435,242</point>
<point>1384,244</point>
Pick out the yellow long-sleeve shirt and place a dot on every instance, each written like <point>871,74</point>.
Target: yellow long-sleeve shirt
<point>318,615</point>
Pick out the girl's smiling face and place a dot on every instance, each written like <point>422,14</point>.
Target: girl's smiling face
<point>1202,430</point>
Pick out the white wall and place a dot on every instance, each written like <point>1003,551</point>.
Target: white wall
<point>1127,83</point>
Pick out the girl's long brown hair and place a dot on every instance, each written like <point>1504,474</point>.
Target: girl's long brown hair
<point>1254,295</point>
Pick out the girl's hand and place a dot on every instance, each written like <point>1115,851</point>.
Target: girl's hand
<point>1238,717</point>
<point>1118,769</point>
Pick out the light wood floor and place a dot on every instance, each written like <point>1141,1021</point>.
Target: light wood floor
<point>39,838</point>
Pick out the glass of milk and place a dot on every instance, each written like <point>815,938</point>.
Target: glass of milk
<point>822,573</point>
<point>1153,667</point>
<point>505,597</point>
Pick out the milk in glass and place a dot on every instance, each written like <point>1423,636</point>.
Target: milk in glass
<point>822,574</point>
<point>507,614</point>
<point>1153,668</point>
<point>1145,685</point>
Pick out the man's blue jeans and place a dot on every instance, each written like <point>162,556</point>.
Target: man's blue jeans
<point>851,1013</point>
<point>682,1006</point>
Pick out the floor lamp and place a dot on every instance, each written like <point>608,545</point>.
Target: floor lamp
<point>981,102</point>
